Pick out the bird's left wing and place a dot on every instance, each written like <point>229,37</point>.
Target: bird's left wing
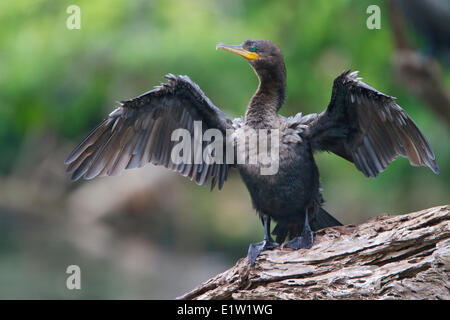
<point>139,131</point>
<point>368,128</point>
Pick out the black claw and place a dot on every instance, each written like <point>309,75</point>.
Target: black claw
<point>256,248</point>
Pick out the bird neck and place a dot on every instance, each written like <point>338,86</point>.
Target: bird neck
<point>268,98</point>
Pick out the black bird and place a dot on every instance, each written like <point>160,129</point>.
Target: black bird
<point>360,124</point>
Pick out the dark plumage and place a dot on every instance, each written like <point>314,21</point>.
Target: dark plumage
<point>360,124</point>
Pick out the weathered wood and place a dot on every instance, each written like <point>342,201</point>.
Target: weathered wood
<point>387,257</point>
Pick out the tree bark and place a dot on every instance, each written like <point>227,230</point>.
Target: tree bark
<point>387,257</point>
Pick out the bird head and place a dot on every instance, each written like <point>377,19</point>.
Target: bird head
<point>261,54</point>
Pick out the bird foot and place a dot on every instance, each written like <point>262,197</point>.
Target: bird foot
<point>256,248</point>
<point>305,241</point>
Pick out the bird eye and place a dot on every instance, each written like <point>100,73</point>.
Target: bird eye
<point>252,48</point>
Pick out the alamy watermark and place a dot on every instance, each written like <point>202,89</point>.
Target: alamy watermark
<point>259,148</point>
<point>73,22</point>
<point>374,20</point>
<point>74,279</point>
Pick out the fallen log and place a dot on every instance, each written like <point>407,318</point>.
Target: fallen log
<point>387,257</point>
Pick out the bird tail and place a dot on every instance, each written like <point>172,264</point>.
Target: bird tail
<point>283,231</point>
<point>323,220</point>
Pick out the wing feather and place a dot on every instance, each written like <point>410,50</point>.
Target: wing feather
<point>139,131</point>
<point>368,128</point>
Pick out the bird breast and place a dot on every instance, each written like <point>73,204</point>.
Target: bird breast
<point>264,151</point>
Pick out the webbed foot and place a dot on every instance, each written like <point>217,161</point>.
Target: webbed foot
<point>305,240</point>
<point>256,248</point>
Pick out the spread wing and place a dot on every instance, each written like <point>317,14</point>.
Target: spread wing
<point>139,131</point>
<point>368,128</point>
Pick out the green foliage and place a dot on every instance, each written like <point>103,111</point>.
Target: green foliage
<point>65,81</point>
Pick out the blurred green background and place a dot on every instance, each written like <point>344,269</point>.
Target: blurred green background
<point>150,233</point>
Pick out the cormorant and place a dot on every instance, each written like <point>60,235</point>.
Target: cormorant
<point>360,124</point>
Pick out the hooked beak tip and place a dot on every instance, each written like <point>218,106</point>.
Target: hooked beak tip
<point>238,49</point>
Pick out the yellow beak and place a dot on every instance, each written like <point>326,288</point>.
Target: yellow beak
<point>238,50</point>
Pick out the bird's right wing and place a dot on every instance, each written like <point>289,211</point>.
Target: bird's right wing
<point>139,131</point>
<point>368,128</point>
